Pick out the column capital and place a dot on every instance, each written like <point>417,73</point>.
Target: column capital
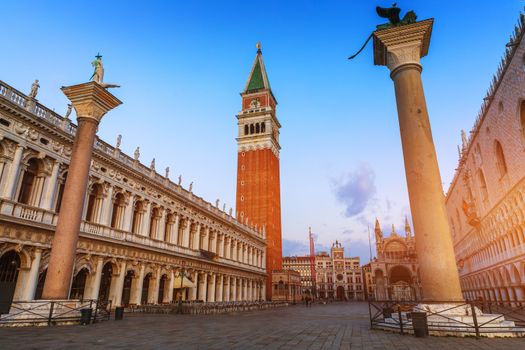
<point>402,45</point>
<point>90,100</point>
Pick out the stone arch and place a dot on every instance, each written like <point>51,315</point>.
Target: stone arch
<point>501,163</point>
<point>514,274</point>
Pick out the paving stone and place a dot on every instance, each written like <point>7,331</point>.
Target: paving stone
<point>333,326</point>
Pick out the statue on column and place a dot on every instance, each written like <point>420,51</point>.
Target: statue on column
<point>34,89</point>
<point>137,154</point>
<point>191,186</point>
<point>119,140</point>
<point>179,180</point>
<point>98,74</point>
<point>167,174</point>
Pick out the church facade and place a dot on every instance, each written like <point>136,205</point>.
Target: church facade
<point>486,199</point>
<point>143,238</point>
<point>395,270</point>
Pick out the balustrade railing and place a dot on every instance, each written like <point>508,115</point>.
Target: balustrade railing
<point>35,214</point>
<point>476,318</point>
<point>53,312</point>
<point>199,307</point>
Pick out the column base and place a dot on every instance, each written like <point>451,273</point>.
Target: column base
<point>39,313</point>
<point>449,319</point>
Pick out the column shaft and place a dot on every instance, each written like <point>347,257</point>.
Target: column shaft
<point>64,244</point>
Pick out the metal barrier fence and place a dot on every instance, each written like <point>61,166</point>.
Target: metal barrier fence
<point>201,308</point>
<point>474,318</point>
<point>53,312</point>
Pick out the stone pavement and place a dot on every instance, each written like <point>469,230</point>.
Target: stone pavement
<point>334,326</point>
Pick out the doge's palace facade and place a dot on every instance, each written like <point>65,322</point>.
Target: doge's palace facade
<point>142,236</point>
<point>486,199</point>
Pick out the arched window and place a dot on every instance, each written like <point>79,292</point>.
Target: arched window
<point>257,128</point>
<point>94,203</point>
<point>500,158</point>
<point>119,207</point>
<point>252,129</point>
<point>156,214</point>
<point>138,212</point>
<point>28,182</point>
<point>246,129</point>
<point>477,154</point>
<point>483,186</point>
<point>263,127</point>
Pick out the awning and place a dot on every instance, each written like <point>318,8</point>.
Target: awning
<point>186,283</point>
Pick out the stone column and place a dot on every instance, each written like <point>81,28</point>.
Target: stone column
<point>12,175</point>
<point>161,230</point>
<point>136,293</point>
<point>211,288</point>
<point>32,278</point>
<point>175,230</point>
<point>205,240</point>
<point>128,213</point>
<point>218,288</point>
<point>186,234</point>
<point>227,286</point>
<point>153,293</point>
<point>263,297</point>
<point>168,296</point>
<point>234,289</point>
<point>146,219</point>
<point>203,287</point>
<point>91,101</point>
<point>400,48</point>
<point>193,294</point>
<point>116,292</point>
<point>197,237</point>
<point>93,285</point>
<point>50,187</point>
<point>107,206</point>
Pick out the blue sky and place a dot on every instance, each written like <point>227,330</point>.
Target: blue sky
<point>182,65</point>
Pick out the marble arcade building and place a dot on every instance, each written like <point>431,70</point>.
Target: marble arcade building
<point>140,231</point>
<point>486,199</point>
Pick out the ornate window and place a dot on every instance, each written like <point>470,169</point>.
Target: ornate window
<point>522,117</point>
<point>500,158</point>
<point>257,128</point>
<point>246,130</point>
<point>119,207</point>
<point>263,126</point>
<point>28,188</point>
<point>477,154</point>
<point>252,129</point>
<point>483,186</point>
<point>94,203</point>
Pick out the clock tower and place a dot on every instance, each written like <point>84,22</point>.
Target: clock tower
<point>258,183</point>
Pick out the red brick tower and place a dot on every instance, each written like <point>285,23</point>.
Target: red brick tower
<point>258,183</point>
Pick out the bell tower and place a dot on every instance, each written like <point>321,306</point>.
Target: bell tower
<point>258,183</point>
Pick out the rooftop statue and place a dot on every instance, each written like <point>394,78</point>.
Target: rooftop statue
<point>34,89</point>
<point>392,13</point>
